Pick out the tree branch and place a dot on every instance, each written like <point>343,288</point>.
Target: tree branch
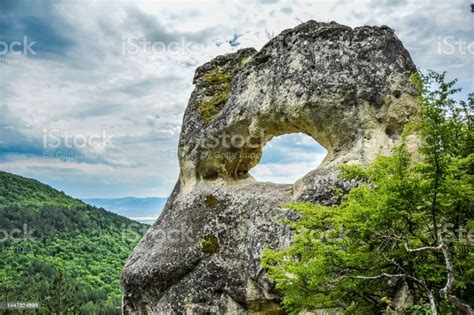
<point>444,292</point>
<point>400,275</point>
<point>449,271</point>
<point>420,249</point>
<point>382,275</point>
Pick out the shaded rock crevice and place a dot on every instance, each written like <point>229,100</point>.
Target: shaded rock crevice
<point>347,88</point>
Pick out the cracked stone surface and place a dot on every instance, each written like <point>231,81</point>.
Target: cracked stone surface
<point>347,88</point>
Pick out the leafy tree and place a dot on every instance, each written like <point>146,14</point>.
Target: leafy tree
<point>63,296</point>
<point>402,230</point>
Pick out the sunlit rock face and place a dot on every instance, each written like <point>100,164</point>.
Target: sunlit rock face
<point>347,88</point>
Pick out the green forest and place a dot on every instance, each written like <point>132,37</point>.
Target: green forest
<point>402,241</point>
<point>60,252</point>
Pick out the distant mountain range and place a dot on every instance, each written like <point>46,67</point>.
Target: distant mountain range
<point>144,210</point>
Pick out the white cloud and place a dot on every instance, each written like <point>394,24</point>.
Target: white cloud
<point>89,85</point>
<point>287,173</point>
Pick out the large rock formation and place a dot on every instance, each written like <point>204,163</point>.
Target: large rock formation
<point>347,88</point>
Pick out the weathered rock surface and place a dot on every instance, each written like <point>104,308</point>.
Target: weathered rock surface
<point>346,88</point>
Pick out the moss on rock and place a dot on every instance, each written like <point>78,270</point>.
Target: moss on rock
<point>218,91</point>
<point>209,244</point>
<point>211,201</point>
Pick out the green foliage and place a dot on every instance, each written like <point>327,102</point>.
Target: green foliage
<point>417,81</point>
<point>17,190</point>
<point>73,256</point>
<point>217,92</point>
<point>354,255</point>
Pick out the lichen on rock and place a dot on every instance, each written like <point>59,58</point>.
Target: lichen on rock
<point>217,93</point>
<point>347,88</point>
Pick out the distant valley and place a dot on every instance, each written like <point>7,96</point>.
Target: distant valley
<point>144,210</point>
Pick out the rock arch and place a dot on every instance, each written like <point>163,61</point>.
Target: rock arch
<point>347,88</point>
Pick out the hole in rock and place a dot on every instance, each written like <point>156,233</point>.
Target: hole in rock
<point>287,158</point>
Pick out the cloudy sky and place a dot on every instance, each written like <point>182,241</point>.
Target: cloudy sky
<point>92,93</point>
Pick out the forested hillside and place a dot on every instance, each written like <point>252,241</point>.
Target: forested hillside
<point>60,252</point>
